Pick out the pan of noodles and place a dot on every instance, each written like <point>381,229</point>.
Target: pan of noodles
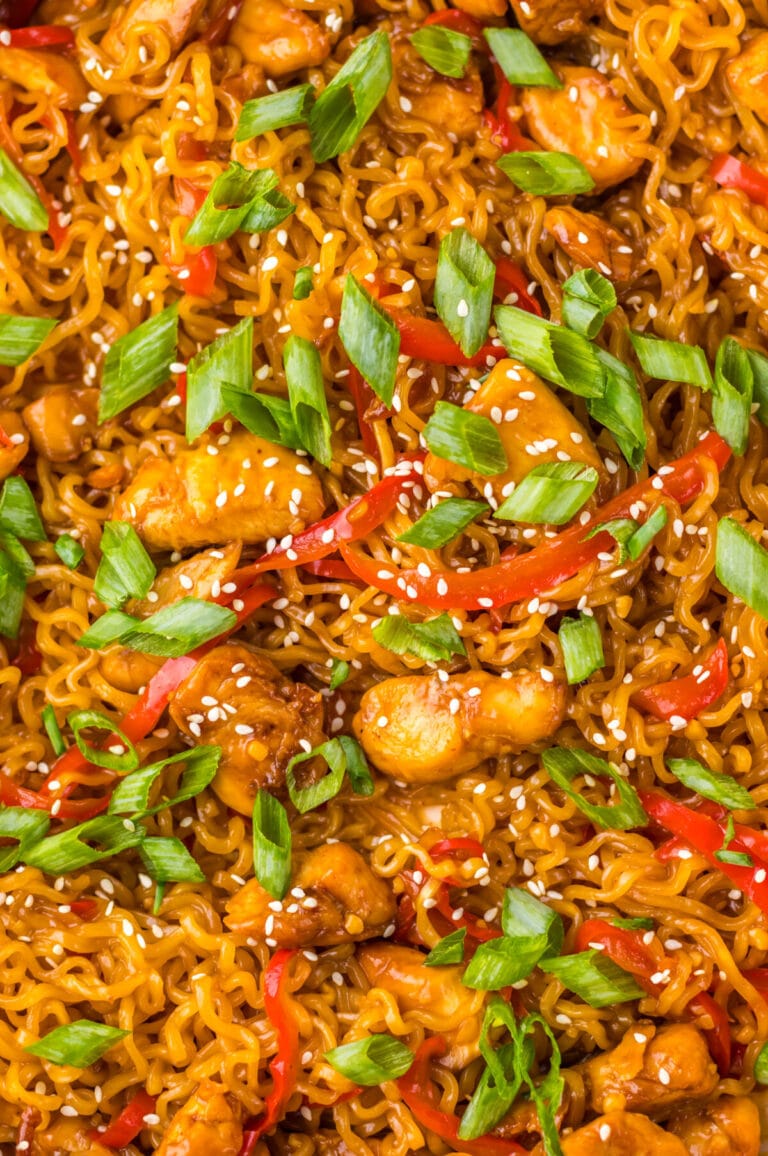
<point>383,577</point>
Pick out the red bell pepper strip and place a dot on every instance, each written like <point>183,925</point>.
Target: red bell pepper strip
<point>758,977</point>
<point>707,836</point>
<point>71,143</point>
<point>417,1090</point>
<point>368,408</point>
<point>718,1037</point>
<point>219,28</point>
<point>30,1118</point>
<point>429,340</point>
<point>28,659</point>
<point>85,909</point>
<point>332,568</point>
<point>544,568</point>
<point>16,13</point>
<point>57,232</point>
<point>12,795</point>
<point>735,174</point>
<point>196,274</point>
<point>687,697</point>
<point>125,1128</point>
<point>459,21</point>
<point>360,518</point>
<point>284,1066</point>
<point>623,946</point>
<point>43,36</point>
<point>5,441</point>
<point>510,278</point>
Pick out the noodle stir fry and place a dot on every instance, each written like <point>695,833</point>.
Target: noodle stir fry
<point>383,584</point>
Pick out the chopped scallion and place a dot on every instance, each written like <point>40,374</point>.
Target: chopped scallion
<point>444,49</point>
<point>466,438</point>
<point>228,360</point>
<point>20,337</point>
<point>435,641</point>
<point>671,360</point>
<point>370,338</point>
<point>372,1060</point>
<point>563,765</point>
<point>551,493</point>
<point>546,174</point>
<point>464,289</point>
<point>345,106</point>
<point>125,569</point>
<point>18,200</point>
<point>277,110</point>
<point>138,362</point>
<point>588,298</point>
<point>440,524</point>
<point>741,564</point>
<point>167,860</point>
<point>306,394</point>
<point>78,1044</point>
<point>519,58</point>
<point>271,844</point>
<point>582,647</point>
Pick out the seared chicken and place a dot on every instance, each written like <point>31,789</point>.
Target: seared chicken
<point>16,433</point>
<point>620,1134</point>
<point>63,422</point>
<point>591,242</point>
<point>747,76</point>
<point>278,38</point>
<point>728,1127</point>
<point>209,1123</point>
<point>51,73</point>
<point>175,17</point>
<point>552,21</point>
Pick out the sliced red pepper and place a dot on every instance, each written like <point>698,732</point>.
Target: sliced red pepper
<point>735,174</point>
<point>417,1090</point>
<point>624,947</point>
<point>181,386</point>
<point>30,1118</point>
<point>189,196</point>
<point>505,131</point>
<point>718,1037</point>
<point>688,696</point>
<point>196,274</point>
<point>332,568</point>
<point>368,408</point>
<point>510,278</point>
<point>219,28</point>
<point>706,836</point>
<point>459,21</point>
<point>57,232</point>
<point>758,977</point>
<point>429,340</point>
<point>544,568</point>
<point>284,1066</point>
<point>360,518</point>
<point>85,909</point>
<point>125,1128</point>
<point>12,795</point>
<point>43,36</point>
<point>71,144</point>
<point>28,659</point>
<point>16,13</point>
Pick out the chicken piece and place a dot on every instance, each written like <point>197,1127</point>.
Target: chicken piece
<point>200,576</point>
<point>453,104</point>
<point>436,994</point>
<point>210,1122</point>
<point>410,729</point>
<point>747,76</point>
<point>591,242</point>
<point>649,1070</point>
<point>174,506</point>
<point>278,38</point>
<point>260,719</point>
<point>65,1138</point>
<point>729,1126</point>
<point>52,73</point>
<point>175,17</point>
<point>595,127</point>
<point>127,670</point>
<point>553,21</point>
<point>338,900</point>
<point>619,1134</point>
<point>63,422</point>
<point>16,433</point>
<point>537,418</point>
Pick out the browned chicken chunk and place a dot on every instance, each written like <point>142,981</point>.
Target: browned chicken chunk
<point>63,422</point>
<point>249,490</point>
<point>453,104</point>
<point>651,1070</point>
<point>533,424</point>
<point>335,898</point>
<point>552,21</point>
<point>422,730</point>
<point>175,17</point>
<point>620,1134</point>
<point>209,1124</point>
<point>747,76</point>
<point>591,242</point>
<point>728,1127</point>
<point>436,994</point>
<point>278,38</point>
<point>48,72</point>
<point>65,1138</point>
<point>587,119</point>
<point>16,433</point>
<point>240,701</point>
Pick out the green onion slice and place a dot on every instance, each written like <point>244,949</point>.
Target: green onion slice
<point>546,174</point>
<point>16,552</point>
<point>556,353</point>
<point>13,585</point>
<point>20,337</point>
<point>339,673</point>
<point>167,860</point>
<point>519,58</point>
<point>271,844</point>
<point>441,524</point>
<point>18,512</point>
<point>370,338</point>
<point>109,628</point>
<point>672,360</point>
<point>758,363</point>
<point>53,730</point>
<point>307,798</point>
<point>179,628</point>
<point>278,110</point>
<point>564,765</point>
<point>741,564</point>
<point>464,289</point>
<point>131,795</point>
<point>551,493</point>
<point>18,200</point>
<point>125,569</point>
<point>444,49</point>
<point>711,785</point>
<point>69,550</point>
<point>302,283</point>
<point>228,360</point>
<point>582,647</point>
<point>78,1044</point>
<point>124,760</point>
<point>449,950</point>
<point>434,641</point>
<point>372,1060</point>
<point>239,199</point>
<point>345,106</point>
<point>594,977</point>
<point>641,923</point>
<point>468,439</point>
<point>732,394</point>
<point>306,394</point>
<point>70,850</point>
<point>588,298</point>
<point>760,1070</point>
<point>620,409</point>
<point>26,827</point>
<point>358,771</point>
<point>138,362</point>
<point>620,529</point>
<point>262,414</point>
<point>642,537</point>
